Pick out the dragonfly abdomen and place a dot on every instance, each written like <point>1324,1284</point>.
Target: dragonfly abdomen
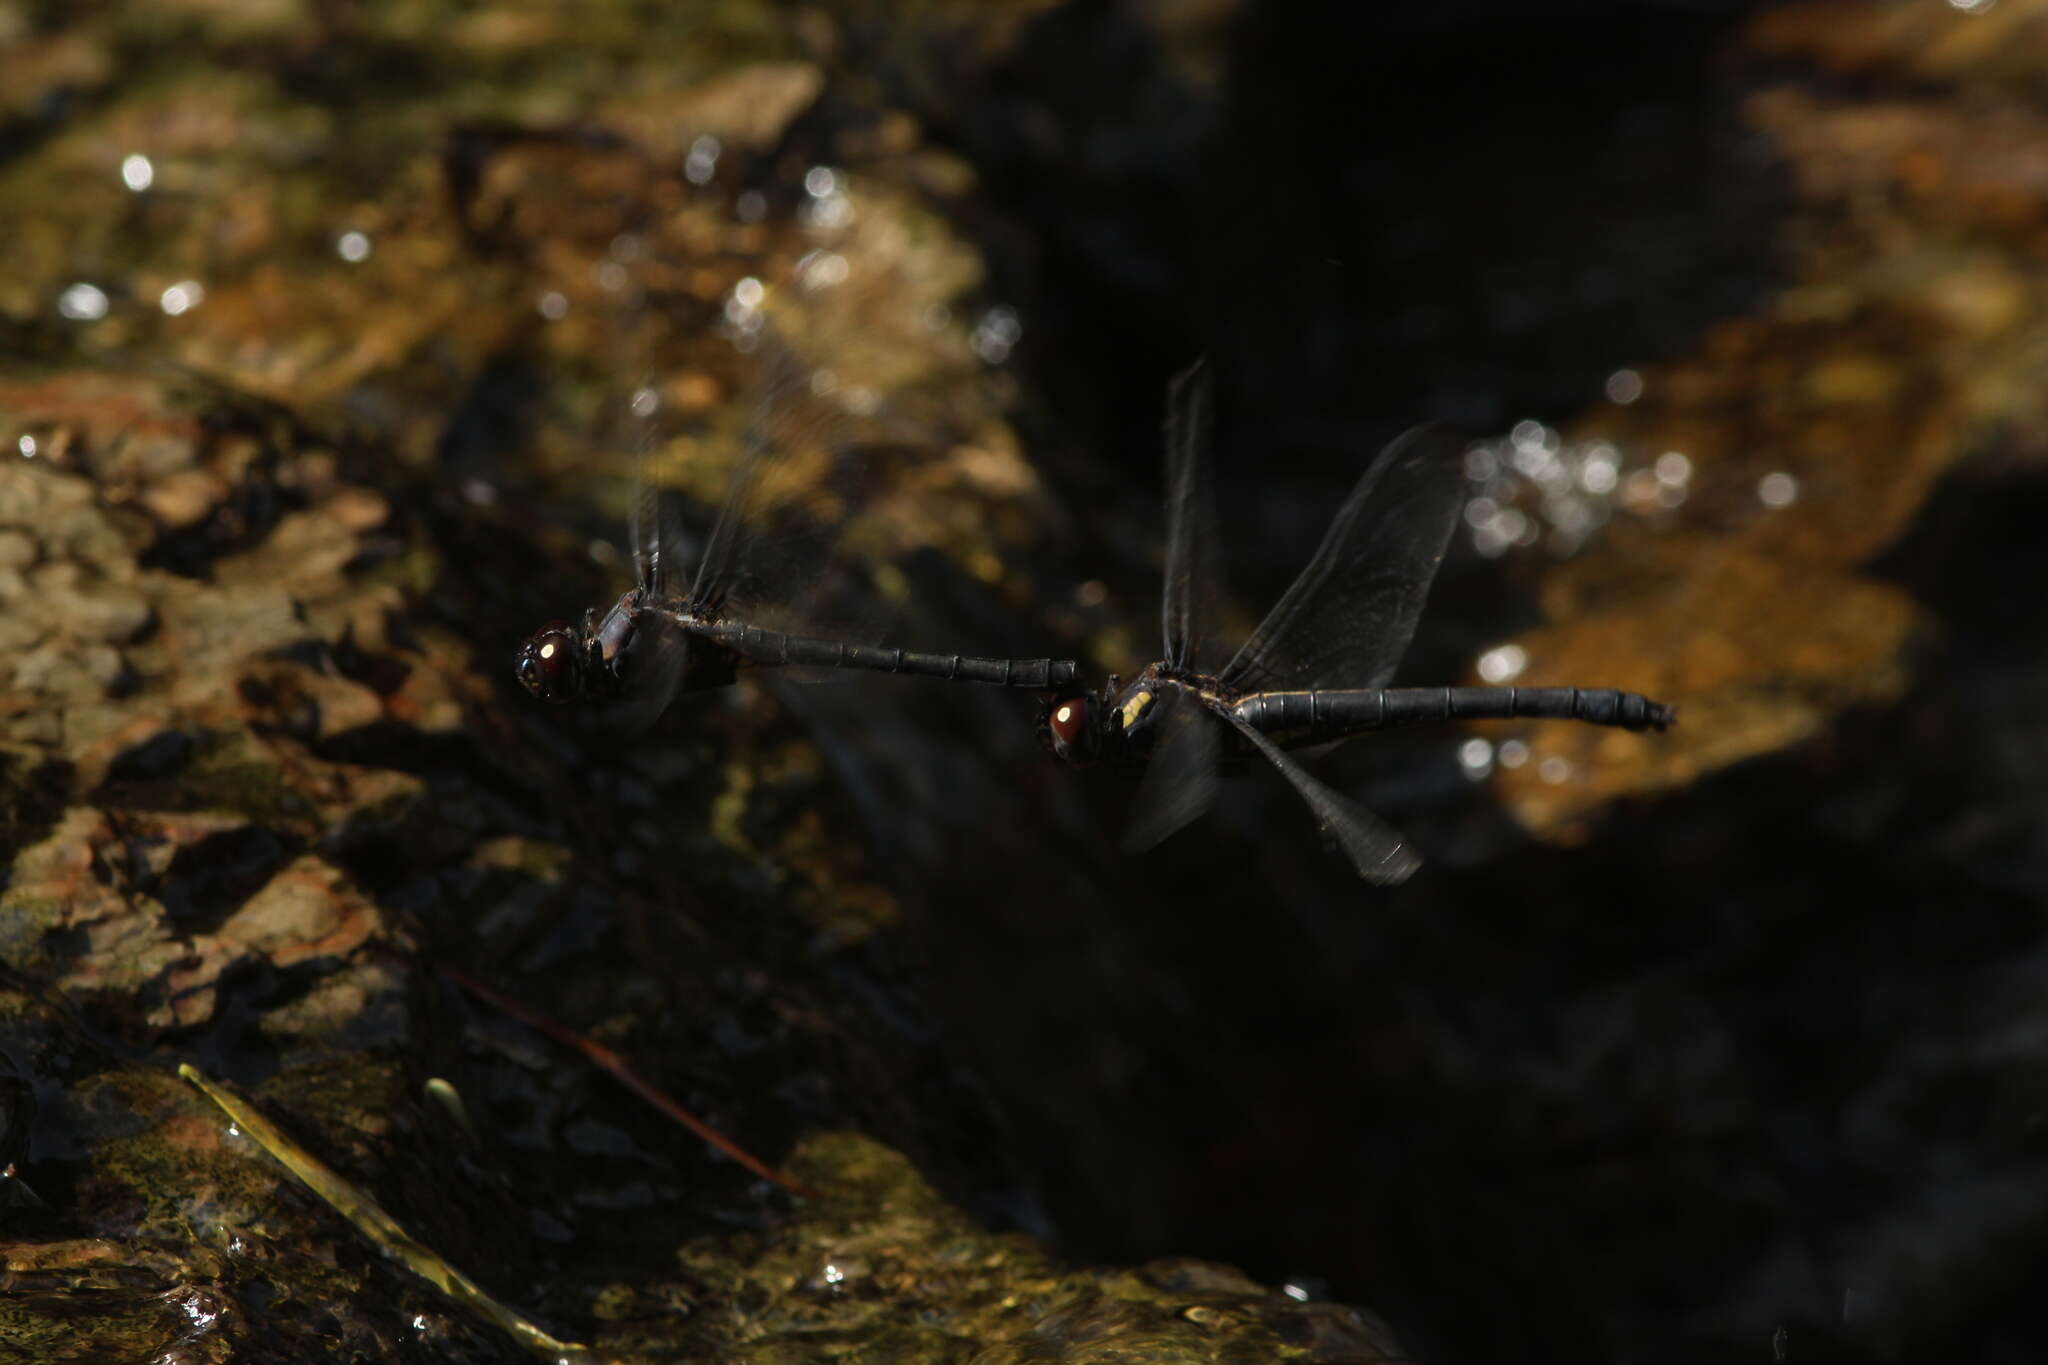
<point>1317,717</point>
<point>775,649</point>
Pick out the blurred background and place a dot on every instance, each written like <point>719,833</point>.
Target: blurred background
<point>319,328</point>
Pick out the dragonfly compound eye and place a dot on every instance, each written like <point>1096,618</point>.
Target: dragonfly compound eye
<point>1070,728</point>
<point>550,664</point>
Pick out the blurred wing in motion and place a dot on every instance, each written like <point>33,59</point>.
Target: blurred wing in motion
<point>651,543</point>
<point>1375,848</point>
<point>778,381</point>
<point>653,670</point>
<point>1180,775</point>
<point>1347,619</point>
<point>1190,598</point>
<point>793,548</point>
<point>654,662</point>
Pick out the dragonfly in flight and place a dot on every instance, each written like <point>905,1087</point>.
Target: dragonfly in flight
<point>746,606</point>
<point>1316,669</point>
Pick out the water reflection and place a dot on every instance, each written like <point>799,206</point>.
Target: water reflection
<point>83,302</point>
<point>1503,663</point>
<point>1536,486</point>
<point>743,308</point>
<point>996,334</point>
<point>181,297</point>
<point>822,270</point>
<point>1777,490</point>
<point>702,162</point>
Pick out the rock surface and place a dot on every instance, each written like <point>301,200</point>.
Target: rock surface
<point>319,336</point>
<point>281,488</point>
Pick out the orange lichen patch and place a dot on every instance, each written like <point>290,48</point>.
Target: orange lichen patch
<point>1833,640</point>
<point>306,701</point>
<point>1727,598</point>
<point>308,910</point>
<point>34,67</point>
<point>1981,166</point>
<point>2002,41</point>
<point>308,338</point>
<point>56,884</point>
<point>29,1257</point>
<point>505,30</point>
<point>747,109</point>
<point>109,410</point>
<point>193,1132</point>
<point>1904,337</point>
<point>90,876</point>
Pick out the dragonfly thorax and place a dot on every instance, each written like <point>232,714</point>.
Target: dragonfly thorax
<point>1120,724</point>
<point>608,640</point>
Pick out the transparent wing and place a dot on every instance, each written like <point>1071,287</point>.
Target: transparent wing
<point>653,670</point>
<point>654,666</point>
<point>1189,601</point>
<point>1347,620</point>
<point>1375,848</point>
<point>777,383</point>
<point>1180,776</point>
<point>648,540</point>
<point>798,538</point>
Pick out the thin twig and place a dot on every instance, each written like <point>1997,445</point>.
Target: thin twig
<point>622,1070</point>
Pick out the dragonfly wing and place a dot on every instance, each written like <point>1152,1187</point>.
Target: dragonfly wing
<point>798,540</point>
<point>1347,619</point>
<point>1191,582</point>
<point>646,538</point>
<point>1180,776</point>
<point>651,670</point>
<point>1375,848</point>
<point>779,379</point>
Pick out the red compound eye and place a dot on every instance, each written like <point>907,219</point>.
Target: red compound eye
<point>1068,721</point>
<point>550,665</point>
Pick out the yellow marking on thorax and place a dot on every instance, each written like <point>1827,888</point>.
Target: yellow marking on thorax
<point>1134,708</point>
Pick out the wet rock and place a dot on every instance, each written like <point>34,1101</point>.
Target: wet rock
<point>262,764</point>
<point>1813,432</point>
<point>261,767</point>
<point>307,910</point>
<point>884,1266</point>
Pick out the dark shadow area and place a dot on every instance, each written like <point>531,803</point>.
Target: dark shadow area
<point>1721,1078</point>
<point>1472,212</point>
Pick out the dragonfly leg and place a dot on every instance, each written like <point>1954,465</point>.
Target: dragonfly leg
<point>595,665</point>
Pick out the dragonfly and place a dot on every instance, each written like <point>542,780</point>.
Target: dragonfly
<point>745,607</point>
<point>1316,669</point>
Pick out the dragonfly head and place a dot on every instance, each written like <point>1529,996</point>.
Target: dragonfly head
<point>1111,726</point>
<point>551,664</point>
<point>1073,723</point>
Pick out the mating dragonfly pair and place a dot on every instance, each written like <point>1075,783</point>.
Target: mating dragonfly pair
<point>1314,672</point>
